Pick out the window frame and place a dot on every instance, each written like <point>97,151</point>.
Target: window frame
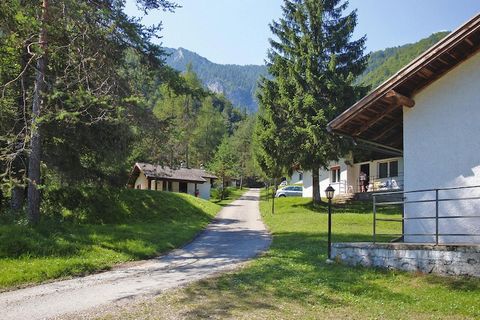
<point>388,169</point>
<point>335,174</point>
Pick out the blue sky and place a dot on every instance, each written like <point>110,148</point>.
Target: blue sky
<point>236,31</point>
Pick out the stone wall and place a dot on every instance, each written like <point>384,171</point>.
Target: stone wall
<point>440,259</point>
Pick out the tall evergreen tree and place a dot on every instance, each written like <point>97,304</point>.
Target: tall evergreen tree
<point>314,63</point>
<point>225,163</point>
<point>71,76</point>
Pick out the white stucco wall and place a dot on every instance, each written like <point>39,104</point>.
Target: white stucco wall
<point>295,178</point>
<point>204,189</point>
<point>441,149</point>
<point>191,188</point>
<point>142,181</point>
<point>325,180</point>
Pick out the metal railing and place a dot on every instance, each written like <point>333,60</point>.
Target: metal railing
<point>376,184</point>
<point>426,197</point>
<point>340,186</point>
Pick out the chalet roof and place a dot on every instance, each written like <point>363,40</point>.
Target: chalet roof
<point>378,117</point>
<point>166,173</point>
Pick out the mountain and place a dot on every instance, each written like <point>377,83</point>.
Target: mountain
<point>238,83</point>
<point>383,64</point>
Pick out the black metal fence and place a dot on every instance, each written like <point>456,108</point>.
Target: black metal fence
<point>426,205</point>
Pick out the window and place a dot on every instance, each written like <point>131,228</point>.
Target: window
<point>300,176</point>
<point>383,170</point>
<point>335,174</point>
<point>393,168</point>
<point>388,169</point>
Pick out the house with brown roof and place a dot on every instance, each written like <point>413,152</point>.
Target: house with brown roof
<point>429,112</point>
<point>197,182</point>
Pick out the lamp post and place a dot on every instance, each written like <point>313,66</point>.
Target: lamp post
<point>329,192</point>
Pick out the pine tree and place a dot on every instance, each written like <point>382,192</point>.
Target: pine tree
<point>71,78</point>
<point>225,163</point>
<point>314,63</point>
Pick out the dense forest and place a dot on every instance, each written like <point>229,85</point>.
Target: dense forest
<point>88,94</point>
<point>383,64</point>
<point>237,83</point>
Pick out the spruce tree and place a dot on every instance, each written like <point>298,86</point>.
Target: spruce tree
<point>71,52</point>
<point>314,63</point>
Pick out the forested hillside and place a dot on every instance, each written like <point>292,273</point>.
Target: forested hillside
<point>384,63</point>
<point>237,83</point>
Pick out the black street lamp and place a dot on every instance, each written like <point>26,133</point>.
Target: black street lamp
<point>329,192</point>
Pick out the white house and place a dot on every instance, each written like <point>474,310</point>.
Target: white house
<point>196,182</point>
<point>297,177</point>
<point>430,112</point>
<point>384,174</point>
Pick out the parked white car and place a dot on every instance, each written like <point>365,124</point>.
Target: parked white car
<point>290,191</point>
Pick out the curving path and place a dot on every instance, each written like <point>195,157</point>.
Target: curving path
<point>236,234</point>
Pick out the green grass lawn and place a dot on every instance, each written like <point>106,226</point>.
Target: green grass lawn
<point>148,223</point>
<point>292,281</point>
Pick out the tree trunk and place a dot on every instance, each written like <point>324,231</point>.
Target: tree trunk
<point>37,106</point>
<point>17,198</point>
<point>273,195</point>
<point>187,158</point>
<point>316,186</point>
<point>222,192</point>
<point>241,182</point>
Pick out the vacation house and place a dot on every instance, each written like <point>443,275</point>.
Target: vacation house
<point>430,113</point>
<point>196,182</point>
<point>382,172</point>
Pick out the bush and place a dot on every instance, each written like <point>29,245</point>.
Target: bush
<point>219,193</point>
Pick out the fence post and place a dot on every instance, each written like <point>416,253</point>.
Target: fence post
<point>403,216</point>
<point>436,216</point>
<point>374,219</point>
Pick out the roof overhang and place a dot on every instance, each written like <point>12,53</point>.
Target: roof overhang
<point>161,178</point>
<point>378,117</point>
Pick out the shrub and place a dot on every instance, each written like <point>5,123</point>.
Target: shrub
<point>219,193</point>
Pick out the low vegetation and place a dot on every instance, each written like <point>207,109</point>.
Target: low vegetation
<point>95,234</point>
<point>231,194</point>
<point>292,280</point>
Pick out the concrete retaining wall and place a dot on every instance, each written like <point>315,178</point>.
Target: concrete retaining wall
<point>441,259</point>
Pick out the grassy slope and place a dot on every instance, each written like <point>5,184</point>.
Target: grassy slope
<point>292,281</point>
<point>152,223</point>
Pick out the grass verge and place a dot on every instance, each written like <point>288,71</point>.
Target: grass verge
<point>148,223</point>
<point>292,280</point>
<point>234,194</point>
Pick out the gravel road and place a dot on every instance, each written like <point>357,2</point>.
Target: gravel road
<point>236,235</point>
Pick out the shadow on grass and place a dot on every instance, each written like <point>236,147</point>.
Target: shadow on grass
<point>357,207</point>
<point>294,271</point>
